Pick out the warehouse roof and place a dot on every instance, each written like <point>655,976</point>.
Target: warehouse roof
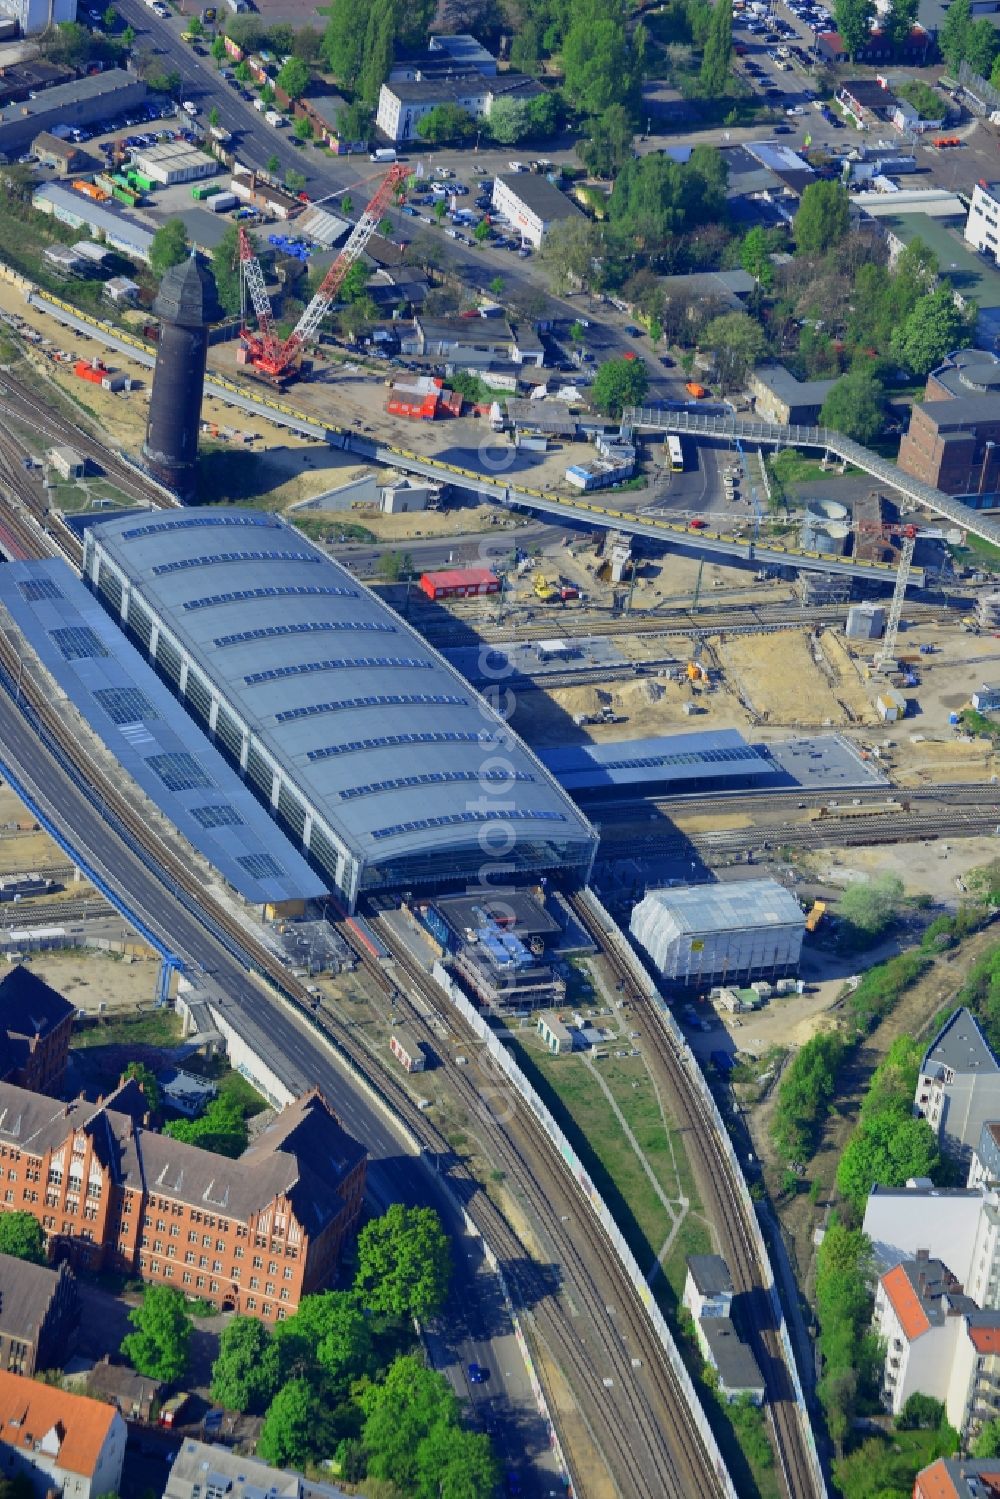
<point>376,730</point>
<point>540,196</point>
<point>135,715</point>
<point>732,906</point>
<point>720,753</point>
<point>61,99</point>
<point>117,227</point>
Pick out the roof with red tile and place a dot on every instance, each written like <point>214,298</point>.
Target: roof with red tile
<point>30,1411</point>
<point>935,1482</point>
<point>905,1303</point>
<point>985,1339</point>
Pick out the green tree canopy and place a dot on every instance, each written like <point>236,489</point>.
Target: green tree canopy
<point>933,329</point>
<point>755,257</point>
<point>400,1414</point>
<point>886,1150</point>
<point>823,218</point>
<point>609,145</point>
<point>987,1443</point>
<point>509,121</point>
<point>403,1263</point>
<point>302,129</point>
<point>329,1335</point>
<point>446,123</point>
<point>21,1236</point>
<point>871,906</point>
<point>455,1464</point>
<point>296,1428</point>
<point>854,22</point>
<point>953,36</point>
<point>737,342</point>
<point>69,43</point>
<point>898,23</point>
<point>803,1096</point>
<point>221,1128</point>
<point>600,65</point>
<point>293,77</point>
<point>226,268</point>
<point>218,48</point>
<point>617,384</point>
<point>246,1374</point>
<point>569,252</point>
<point>354,121</point>
<point>718,50</point>
<point>655,198</point>
<point>855,406</point>
<point>159,1347</point>
<point>144,1076</point>
<point>169,246</point>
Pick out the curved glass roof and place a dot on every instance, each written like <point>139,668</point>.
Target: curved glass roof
<point>387,742</point>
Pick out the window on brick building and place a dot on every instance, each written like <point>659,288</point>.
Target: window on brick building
<point>284,1293</point>
<point>217,1266</point>
<point>174,1231</point>
<point>287,1272</point>
<point>203,1262</point>
<point>281,1314</point>
<point>186,1278</point>
<point>200,1282</point>
<point>251,1303</point>
<point>269,1288</point>
<point>8,1196</point>
<point>258,1263</point>
<point>272,1268</point>
<point>189,1258</point>
<point>220,1245</point>
<point>213,1285</point>
<point>254,1283</point>
<point>192,1238</point>
<point>238,1252</point>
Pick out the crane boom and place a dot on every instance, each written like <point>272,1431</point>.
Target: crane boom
<point>270,355</point>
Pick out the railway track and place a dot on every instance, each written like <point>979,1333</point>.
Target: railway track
<point>643,1459</point>
<point>725,1203</point>
<point>894,827</point>
<point>618,1354</point>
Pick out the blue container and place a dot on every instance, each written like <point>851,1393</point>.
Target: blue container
<point>953,718</point>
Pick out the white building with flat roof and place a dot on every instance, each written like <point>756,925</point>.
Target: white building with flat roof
<point>982,227</point>
<point>701,935</point>
<point>532,204</point>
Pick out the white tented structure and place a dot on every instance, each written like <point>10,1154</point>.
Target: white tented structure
<point>700,935</point>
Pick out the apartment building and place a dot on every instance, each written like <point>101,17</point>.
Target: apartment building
<point>200,1471</point>
<point>708,1296</point>
<point>63,1444</point>
<point>958,1089</point>
<point>252,1235</point>
<point>35,1028</point>
<point>403,103</point>
<point>958,1478</point>
<point>982,227</point>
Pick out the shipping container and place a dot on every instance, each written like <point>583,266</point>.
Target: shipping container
<point>204,190</point>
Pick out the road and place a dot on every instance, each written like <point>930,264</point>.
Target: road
<point>395,1175</point>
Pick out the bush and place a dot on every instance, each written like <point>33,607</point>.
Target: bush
<point>804,1095</point>
<point>881,988</point>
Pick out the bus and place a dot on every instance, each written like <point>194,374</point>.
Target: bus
<point>675,454</point>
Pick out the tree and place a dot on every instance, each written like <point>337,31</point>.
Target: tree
<point>70,44</point>
<point>147,1082</point>
<point>737,342</point>
<point>295,1427</point>
<point>213,115</point>
<point>329,1335</point>
<point>241,72</point>
<point>545,113</point>
<point>267,95</point>
<point>498,286</point>
<point>400,1413</point>
<point>347,203</point>
<point>110,18</point>
<point>856,407</point>
<point>482,232</point>
<point>354,121</point>
<point>886,1150</point>
<point>898,21</point>
<point>953,38</point>
<point>379,48</point>
<point>440,210</point>
<point>273,164</point>
<point>871,905</point>
<point>393,566</point>
<point>717,53</point>
<point>294,181</point>
<point>159,1347</point>
<point>194,27</point>
<point>599,63</point>
<point>569,252</point>
<point>755,257</point>
<point>854,22</point>
<point>128,38</point>
<point>218,49</point>
<point>617,384</point>
<point>823,218</point>
<point>933,329</point>
<point>995,75</point>
<point>654,198</point>
<point>307,44</point>
<point>987,1443</point>
<point>302,129</point>
<point>609,145</point>
<point>455,1464</point>
<point>920,1413</point>
<point>246,1373</point>
<point>221,1128</point>
<point>169,247</point>
<point>21,1236</point>
<point>446,123</point>
<point>982,47</point>
<point>509,121</point>
<point>293,77</point>
<point>404,1263</point>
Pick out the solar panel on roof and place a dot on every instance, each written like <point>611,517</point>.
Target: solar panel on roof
<point>383,700</point>
<point>297,591</point>
<point>277,673</point>
<point>489,814</point>
<point>159,528</point>
<point>307,627</point>
<point>389,741</point>
<point>125,705</point>
<point>434,778</point>
<point>33,590</point>
<point>79,643</point>
<point>179,771</point>
<point>220,815</point>
<point>213,559</point>
<point>260,866</point>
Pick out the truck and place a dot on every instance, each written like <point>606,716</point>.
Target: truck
<point>173,1409</point>
<point>217,132</point>
<point>223,202</point>
<point>384,153</point>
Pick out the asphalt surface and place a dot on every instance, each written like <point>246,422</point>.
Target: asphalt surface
<point>476,1326</point>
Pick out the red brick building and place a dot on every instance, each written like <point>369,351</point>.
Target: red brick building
<point>252,1235</point>
<point>35,1028</point>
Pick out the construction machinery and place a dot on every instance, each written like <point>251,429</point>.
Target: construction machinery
<point>907,535</point>
<point>275,359</point>
<point>546,590</point>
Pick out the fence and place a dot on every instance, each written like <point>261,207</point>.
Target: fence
<point>981,96</point>
<point>626,1258</point>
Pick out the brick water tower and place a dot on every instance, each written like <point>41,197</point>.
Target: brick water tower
<point>186,304</point>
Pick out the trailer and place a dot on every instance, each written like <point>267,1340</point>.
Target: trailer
<point>223,202</point>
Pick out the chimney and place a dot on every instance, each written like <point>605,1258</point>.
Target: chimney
<point>923,1255</point>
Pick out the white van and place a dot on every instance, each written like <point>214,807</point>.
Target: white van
<point>189,108</point>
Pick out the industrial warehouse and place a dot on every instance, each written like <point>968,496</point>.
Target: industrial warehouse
<point>386,767</point>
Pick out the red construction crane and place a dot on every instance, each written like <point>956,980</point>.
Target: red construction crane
<point>277,358</point>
